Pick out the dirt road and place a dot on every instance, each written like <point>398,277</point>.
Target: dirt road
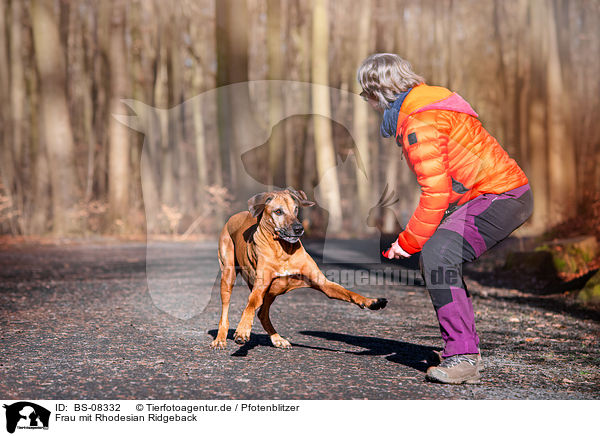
<point>92,321</point>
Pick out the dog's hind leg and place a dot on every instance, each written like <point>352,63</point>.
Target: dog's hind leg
<point>228,273</point>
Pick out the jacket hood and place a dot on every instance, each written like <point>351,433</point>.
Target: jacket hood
<point>419,99</point>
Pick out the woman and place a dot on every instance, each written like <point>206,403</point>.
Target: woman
<point>473,195</point>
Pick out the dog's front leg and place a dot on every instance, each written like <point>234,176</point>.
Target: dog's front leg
<point>261,285</point>
<point>335,291</point>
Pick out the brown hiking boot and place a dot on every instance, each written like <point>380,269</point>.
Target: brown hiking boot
<point>457,369</point>
<point>437,359</point>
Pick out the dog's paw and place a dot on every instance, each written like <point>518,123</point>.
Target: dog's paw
<point>377,304</point>
<point>241,336</point>
<point>280,342</point>
<point>218,344</point>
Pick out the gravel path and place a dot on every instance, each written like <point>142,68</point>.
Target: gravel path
<point>92,321</point>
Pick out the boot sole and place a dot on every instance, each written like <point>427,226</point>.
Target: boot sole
<point>474,380</point>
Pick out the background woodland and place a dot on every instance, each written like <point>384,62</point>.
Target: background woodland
<point>530,68</point>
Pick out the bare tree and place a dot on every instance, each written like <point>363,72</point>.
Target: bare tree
<point>119,153</point>
<point>277,147</point>
<point>57,128</point>
<point>235,122</point>
<point>17,100</point>
<point>326,162</point>
<point>6,161</point>
<point>298,68</point>
<point>561,150</point>
<point>361,116</point>
<point>537,139</point>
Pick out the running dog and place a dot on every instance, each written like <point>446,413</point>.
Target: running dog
<point>263,244</point>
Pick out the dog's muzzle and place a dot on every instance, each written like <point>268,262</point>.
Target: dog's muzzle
<point>293,234</point>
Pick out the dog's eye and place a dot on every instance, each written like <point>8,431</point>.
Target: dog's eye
<point>278,212</point>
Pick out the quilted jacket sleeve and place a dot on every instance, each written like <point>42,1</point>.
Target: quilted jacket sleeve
<point>427,152</point>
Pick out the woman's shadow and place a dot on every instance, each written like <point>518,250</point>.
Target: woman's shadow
<point>415,356</point>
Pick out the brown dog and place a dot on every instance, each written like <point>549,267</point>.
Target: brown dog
<point>264,245</point>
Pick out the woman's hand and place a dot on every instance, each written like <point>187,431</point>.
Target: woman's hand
<point>396,252</point>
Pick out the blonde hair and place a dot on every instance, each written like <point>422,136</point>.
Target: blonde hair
<point>384,75</point>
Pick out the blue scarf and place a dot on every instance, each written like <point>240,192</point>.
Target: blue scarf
<point>390,116</point>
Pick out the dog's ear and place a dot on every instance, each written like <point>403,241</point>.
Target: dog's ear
<point>300,197</point>
<point>256,204</point>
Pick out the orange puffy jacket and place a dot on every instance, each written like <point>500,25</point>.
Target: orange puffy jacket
<point>454,157</point>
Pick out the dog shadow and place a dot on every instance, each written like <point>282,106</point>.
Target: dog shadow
<point>419,357</point>
<point>255,341</point>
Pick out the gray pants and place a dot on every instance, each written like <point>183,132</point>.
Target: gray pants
<point>463,236</point>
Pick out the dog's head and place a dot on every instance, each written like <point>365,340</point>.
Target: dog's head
<point>277,212</point>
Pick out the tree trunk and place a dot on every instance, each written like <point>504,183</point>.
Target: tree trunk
<point>538,150</point>
<point>4,74</point>
<point>182,182</point>
<point>361,119</point>
<point>522,85</point>
<point>150,191</point>
<point>119,153</point>
<point>223,104</point>
<point>503,135</point>
<point>41,191</point>
<point>200,146</point>
<point>139,77</point>
<point>17,106</point>
<point>325,152</point>
<point>235,121</point>
<point>200,83</point>
<point>199,133</point>
<point>298,60</point>
<point>167,178</point>
<point>101,98</point>
<point>561,155</point>
<point>88,107</point>
<point>441,36</point>
<point>275,72</point>
<point>6,168</point>
<point>37,204</point>
<point>57,127</point>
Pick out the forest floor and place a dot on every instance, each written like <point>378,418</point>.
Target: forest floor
<point>101,320</point>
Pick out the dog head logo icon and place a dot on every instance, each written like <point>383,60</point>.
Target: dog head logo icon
<point>24,414</point>
<point>247,135</point>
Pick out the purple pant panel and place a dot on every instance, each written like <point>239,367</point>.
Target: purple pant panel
<point>462,221</point>
<point>457,325</point>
